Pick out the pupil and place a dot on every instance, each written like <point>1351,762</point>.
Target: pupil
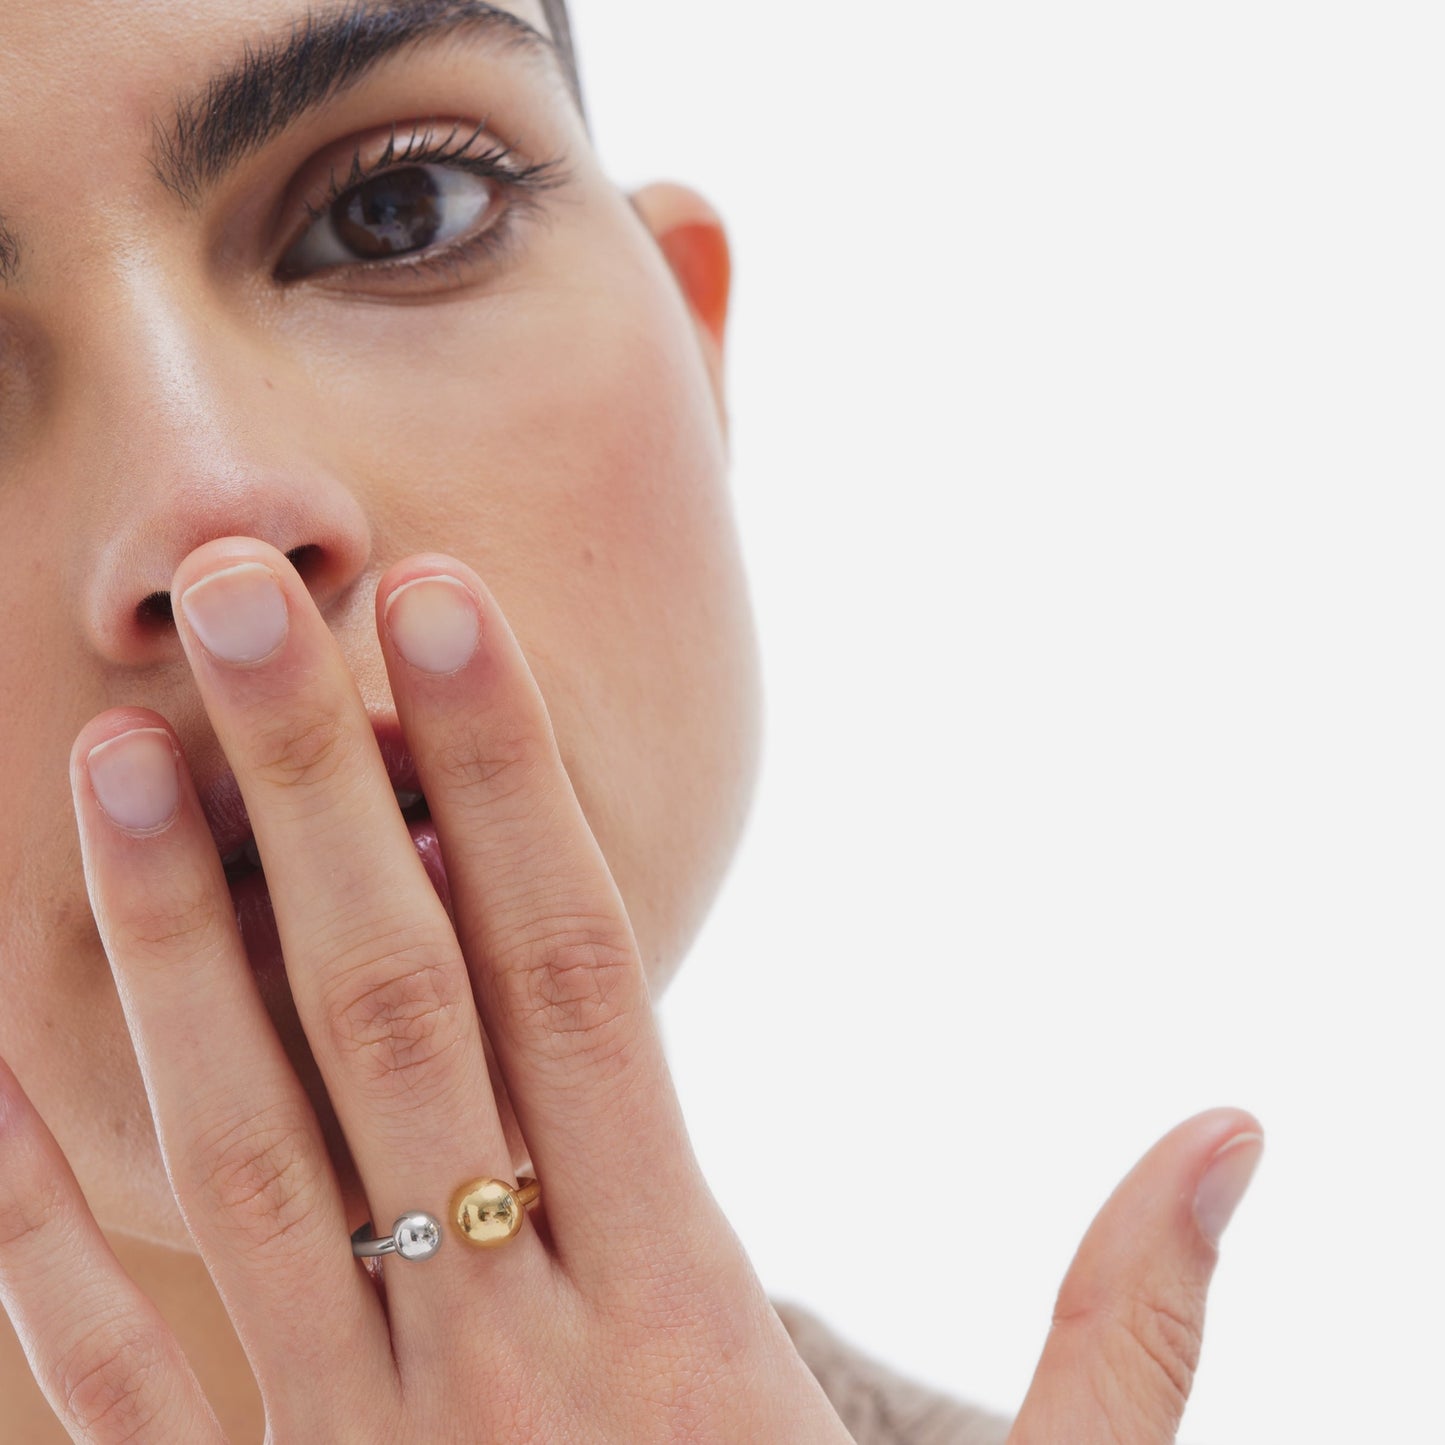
<point>389,214</point>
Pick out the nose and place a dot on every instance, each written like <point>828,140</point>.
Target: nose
<point>185,421</point>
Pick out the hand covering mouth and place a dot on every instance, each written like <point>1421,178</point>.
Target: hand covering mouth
<point>230,824</point>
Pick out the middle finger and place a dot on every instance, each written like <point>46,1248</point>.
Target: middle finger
<point>380,982</point>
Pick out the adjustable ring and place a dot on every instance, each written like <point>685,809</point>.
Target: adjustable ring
<point>485,1212</point>
<point>488,1212</point>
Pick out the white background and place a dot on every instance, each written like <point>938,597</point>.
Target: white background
<point>1086,377</point>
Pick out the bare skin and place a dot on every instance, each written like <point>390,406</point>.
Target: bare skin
<point>545,426</point>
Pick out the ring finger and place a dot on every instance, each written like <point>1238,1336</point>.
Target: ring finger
<point>377,974</point>
<point>379,978</point>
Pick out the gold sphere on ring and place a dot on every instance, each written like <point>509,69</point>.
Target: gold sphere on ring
<point>487,1212</point>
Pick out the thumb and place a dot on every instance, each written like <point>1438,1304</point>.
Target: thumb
<point>1120,1359</point>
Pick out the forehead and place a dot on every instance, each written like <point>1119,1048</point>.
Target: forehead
<point>58,52</point>
<point>36,19</point>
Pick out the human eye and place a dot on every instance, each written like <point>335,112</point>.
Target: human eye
<point>428,205</point>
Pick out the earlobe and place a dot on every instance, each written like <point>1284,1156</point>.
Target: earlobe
<point>691,236</point>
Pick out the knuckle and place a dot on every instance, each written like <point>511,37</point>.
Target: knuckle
<point>565,982</point>
<point>396,1017</point>
<point>497,768</point>
<point>301,754</point>
<point>1155,1337</point>
<point>260,1175</point>
<point>170,925</point>
<point>31,1213</point>
<point>1166,1335</point>
<point>110,1381</point>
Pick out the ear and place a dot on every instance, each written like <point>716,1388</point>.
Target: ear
<point>690,234</point>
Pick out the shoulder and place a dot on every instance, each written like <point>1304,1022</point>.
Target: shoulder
<point>877,1404</point>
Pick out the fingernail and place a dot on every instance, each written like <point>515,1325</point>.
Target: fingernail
<point>1224,1183</point>
<point>135,778</point>
<point>434,623</point>
<point>239,612</point>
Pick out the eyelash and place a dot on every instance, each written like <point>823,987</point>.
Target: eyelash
<point>523,184</point>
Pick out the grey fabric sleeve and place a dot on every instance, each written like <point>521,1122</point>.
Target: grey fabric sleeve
<point>878,1405</point>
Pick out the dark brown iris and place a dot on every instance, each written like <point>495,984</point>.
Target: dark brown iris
<point>391,213</point>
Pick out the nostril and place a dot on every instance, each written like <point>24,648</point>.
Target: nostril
<point>155,609</point>
<point>301,557</point>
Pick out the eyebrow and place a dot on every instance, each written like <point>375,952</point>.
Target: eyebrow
<point>274,85</point>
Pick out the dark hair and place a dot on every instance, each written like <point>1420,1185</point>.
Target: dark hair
<point>561,29</point>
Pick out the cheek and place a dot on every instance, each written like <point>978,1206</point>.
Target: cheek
<point>569,448</point>
<point>45,699</point>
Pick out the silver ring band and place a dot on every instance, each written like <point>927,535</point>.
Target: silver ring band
<point>416,1235</point>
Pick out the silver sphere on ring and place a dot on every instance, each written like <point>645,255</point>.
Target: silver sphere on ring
<point>416,1235</point>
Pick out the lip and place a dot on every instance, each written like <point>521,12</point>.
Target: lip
<point>225,809</point>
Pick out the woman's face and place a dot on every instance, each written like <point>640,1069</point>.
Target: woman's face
<point>177,365</point>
